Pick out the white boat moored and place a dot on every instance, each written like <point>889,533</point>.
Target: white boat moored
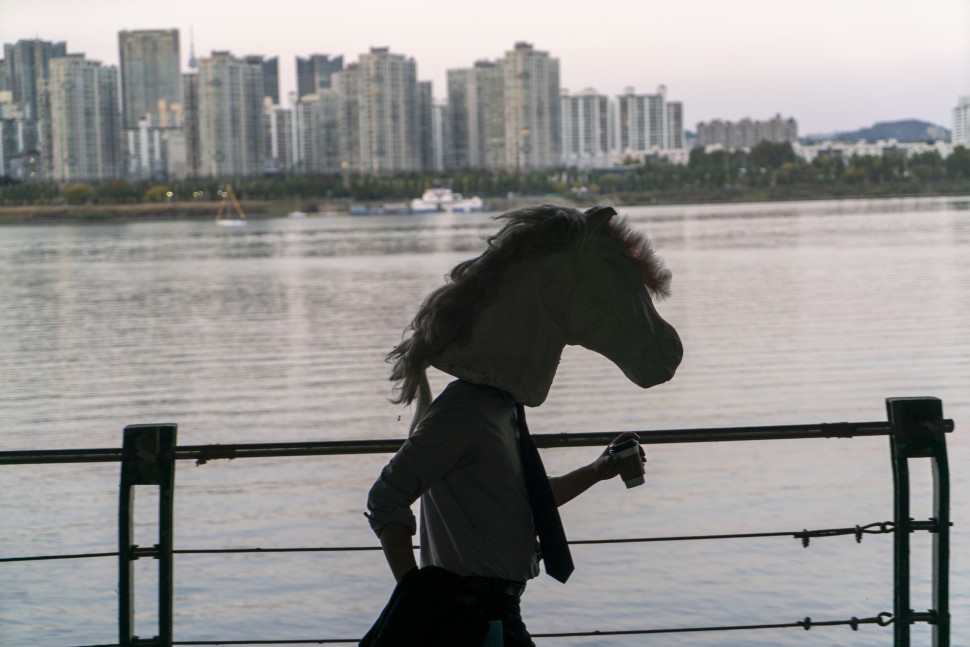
<point>444,199</point>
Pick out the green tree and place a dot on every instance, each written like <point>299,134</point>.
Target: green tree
<point>958,163</point>
<point>698,158</point>
<point>771,155</point>
<point>610,182</point>
<point>157,193</point>
<point>927,166</point>
<point>118,191</point>
<point>78,193</point>
<point>787,173</point>
<point>855,175</point>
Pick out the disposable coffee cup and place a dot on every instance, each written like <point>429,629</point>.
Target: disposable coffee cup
<point>631,467</point>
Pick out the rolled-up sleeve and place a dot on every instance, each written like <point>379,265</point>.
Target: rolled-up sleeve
<point>438,444</point>
<point>390,498</point>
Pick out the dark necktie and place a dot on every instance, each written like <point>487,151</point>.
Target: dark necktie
<point>552,537</point>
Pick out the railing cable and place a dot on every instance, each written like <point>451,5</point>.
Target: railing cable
<point>883,619</point>
<point>875,528</point>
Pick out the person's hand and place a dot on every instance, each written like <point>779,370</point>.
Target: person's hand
<point>606,466</point>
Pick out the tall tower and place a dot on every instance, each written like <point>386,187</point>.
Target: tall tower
<point>26,73</point>
<point>230,113</point>
<point>271,79</point>
<point>476,106</point>
<point>314,73</point>
<point>533,126</point>
<point>388,113</point>
<point>193,61</point>
<point>27,64</point>
<point>190,126</point>
<point>675,124</point>
<point>84,120</point>
<point>649,122</point>
<point>346,83</point>
<point>426,132</point>
<point>657,118</point>
<point>961,122</point>
<point>585,129</point>
<point>150,72</point>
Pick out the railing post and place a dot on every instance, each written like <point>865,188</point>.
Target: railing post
<point>148,459</point>
<point>918,432</point>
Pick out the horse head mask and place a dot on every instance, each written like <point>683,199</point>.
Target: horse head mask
<point>551,276</point>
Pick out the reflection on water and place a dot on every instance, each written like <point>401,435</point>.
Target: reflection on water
<point>790,313</point>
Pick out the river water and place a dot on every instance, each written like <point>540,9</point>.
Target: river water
<point>790,313</point>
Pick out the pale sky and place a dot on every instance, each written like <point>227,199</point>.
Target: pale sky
<point>833,65</point>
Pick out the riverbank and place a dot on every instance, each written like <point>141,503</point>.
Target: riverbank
<point>92,213</point>
<point>255,209</point>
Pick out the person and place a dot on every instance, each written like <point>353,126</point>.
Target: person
<point>466,458</point>
<point>462,461</point>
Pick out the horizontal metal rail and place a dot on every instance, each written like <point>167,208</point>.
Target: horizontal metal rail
<point>204,453</point>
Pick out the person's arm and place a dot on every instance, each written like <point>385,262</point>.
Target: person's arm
<point>431,451</point>
<point>567,487</point>
<point>396,542</point>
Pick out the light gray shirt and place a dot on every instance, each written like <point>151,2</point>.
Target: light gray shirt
<point>463,462</point>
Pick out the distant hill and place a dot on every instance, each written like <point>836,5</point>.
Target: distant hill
<point>906,130</point>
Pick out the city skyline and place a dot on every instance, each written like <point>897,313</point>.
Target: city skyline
<point>832,66</point>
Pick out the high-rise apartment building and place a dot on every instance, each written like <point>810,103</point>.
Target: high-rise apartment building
<point>305,115</point>
<point>460,104</point>
<point>425,120</point>
<point>675,124</point>
<point>648,122</point>
<point>282,154</point>
<point>146,147</point>
<point>476,117</point>
<point>24,74</point>
<point>658,128</point>
<point>20,158</point>
<point>961,122</point>
<point>746,133</point>
<point>85,124</point>
<point>586,129</point>
<point>347,85</point>
<point>231,116</point>
<point>319,138</point>
<point>441,130</point>
<point>26,64</point>
<point>16,160</point>
<point>150,72</point>
<point>191,166</point>
<point>389,119</point>
<point>533,116</point>
<point>271,79</point>
<point>314,73</point>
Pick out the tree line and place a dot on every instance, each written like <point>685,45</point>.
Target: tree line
<point>768,170</point>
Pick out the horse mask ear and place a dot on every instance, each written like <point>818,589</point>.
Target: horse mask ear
<point>599,216</point>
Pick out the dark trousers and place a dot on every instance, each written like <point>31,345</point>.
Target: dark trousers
<point>499,600</point>
<point>432,607</point>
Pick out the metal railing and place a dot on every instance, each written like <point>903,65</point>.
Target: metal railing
<point>915,426</point>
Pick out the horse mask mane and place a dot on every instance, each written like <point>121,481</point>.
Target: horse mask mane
<point>550,277</point>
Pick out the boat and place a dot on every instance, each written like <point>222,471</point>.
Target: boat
<point>388,208</point>
<point>444,199</point>
<point>229,197</point>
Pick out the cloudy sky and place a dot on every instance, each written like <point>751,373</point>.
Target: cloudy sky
<point>834,65</point>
